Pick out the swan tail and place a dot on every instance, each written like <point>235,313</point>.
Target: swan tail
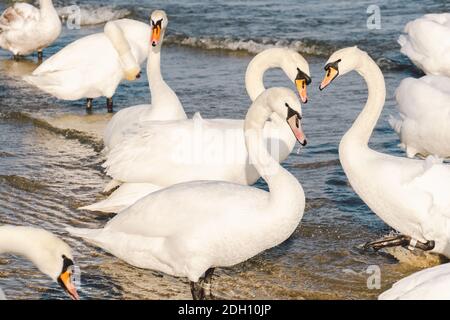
<point>103,206</point>
<point>396,124</point>
<point>51,84</point>
<point>126,195</point>
<point>88,234</point>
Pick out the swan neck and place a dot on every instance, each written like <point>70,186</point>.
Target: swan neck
<point>285,190</point>
<point>363,127</point>
<point>165,103</point>
<point>154,65</point>
<point>15,242</point>
<point>254,76</point>
<point>46,5</point>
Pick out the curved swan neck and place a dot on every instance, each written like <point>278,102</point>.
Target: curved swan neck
<point>46,6</point>
<point>254,76</point>
<point>17,241</point>
<point>285,190</point>
<point>363,127</point>
<point>165,102</point>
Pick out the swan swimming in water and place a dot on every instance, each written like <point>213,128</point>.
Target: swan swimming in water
<point>147,159</point>
<point>427,43</point>
<point>409,195</point>
<point>94,66</point>
<point>48,253</point>
<point>188,229</point>
<point>25,29</point>
<point>165,103</point>
<point>424,106</point>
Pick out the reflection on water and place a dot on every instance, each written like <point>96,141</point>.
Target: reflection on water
<point>17,68</point>
<point>50,164</point>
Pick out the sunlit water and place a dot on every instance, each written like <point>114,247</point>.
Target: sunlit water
<point>47,172</point>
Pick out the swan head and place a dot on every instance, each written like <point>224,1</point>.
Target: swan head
<point>286,104</point>
<point>52,256</point>
<point>342,62</point>
<point>158,22</point>
<point>297,69</point>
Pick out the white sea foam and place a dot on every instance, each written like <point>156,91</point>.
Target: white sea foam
<point>252,46</point>
<point>92,15</point>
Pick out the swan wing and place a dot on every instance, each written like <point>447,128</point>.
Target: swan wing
<point>435,181</point>
<point>427,284</point>
<point>175,210</point>
<point>158,150</point>
<point>427,43</point>
<point>418,98</point>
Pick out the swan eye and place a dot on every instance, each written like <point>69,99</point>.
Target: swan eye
<point>157,23</point>
<point>303,76</point>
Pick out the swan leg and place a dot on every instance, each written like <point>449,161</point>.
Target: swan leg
<point>201,290</point>
<point>400,240</point>
<point>40,56</point>
<point>89,104</point>
<point>109,105</point>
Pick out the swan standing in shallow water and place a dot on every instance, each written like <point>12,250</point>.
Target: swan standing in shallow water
<point>424,106</point>
<point>94,66</point>
<point>48,253</point>
<point>165,103</point>
<point>409,195</point>
<point>429,284</point>
<point>25,29</point>
<point>427,43</point>
<point>188,229</point>
<point>160,154</point>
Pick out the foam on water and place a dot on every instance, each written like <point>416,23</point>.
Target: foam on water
<point>92,15</point>
<point>252,46</point>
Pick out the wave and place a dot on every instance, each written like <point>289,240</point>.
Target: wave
<point>22,183</point>
<point>83,138</point>
<point>92,15</point>
<point>6,155</point>
<point>252,46</point>
<point>307,47</point>
<point>318,165</point>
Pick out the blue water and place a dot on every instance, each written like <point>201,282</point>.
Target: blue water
<point>46,173</point>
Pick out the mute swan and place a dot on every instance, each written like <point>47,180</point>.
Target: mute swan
<point>188,229</point>
<point>25,29</point>
<point>409,195</point>
<point>427,43</point>
<point>429,284</point>
<point>165,103</point>
<point>93,66</point>
<point>48,253</point>
<point>424,106</point>
<point>160,154</point>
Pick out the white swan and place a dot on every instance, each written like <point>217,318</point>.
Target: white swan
<point>409,195</point>
<point>94,66</point>
<point>429,284</point>
<point>25,29</point>
<point>48,253</point>
<point>424,106</point>
<point>165,103</point>
<point>157,155</point>
<point>187,229</point>
<point>427,43</point>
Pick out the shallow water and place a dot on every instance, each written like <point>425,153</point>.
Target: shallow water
<point>46,171</point>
